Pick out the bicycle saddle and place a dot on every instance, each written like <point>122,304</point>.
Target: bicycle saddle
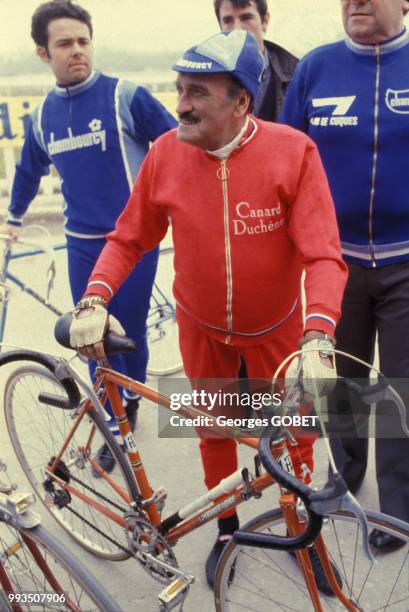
<point>113,343</point>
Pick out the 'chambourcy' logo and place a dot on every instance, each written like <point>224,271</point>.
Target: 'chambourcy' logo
<point>397,100</point>
<point>95,137</point>
<point>338,117</point>
<point>196,65</point>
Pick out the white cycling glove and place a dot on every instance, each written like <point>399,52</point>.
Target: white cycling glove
<point>317,378</point>
<point>91,329</point>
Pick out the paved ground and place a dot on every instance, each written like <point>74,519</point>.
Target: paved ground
<point>175,464</point>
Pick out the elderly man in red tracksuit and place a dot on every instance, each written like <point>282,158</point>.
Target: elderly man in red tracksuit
<point>250,209</point>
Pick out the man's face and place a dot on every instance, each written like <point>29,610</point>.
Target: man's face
<point>246,18</point>
<point>372,21</point>
<point>69,51</point>
<point>208,118</point>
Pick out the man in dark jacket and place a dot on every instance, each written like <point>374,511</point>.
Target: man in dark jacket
<point>351,95</point>
<point>279,64</point>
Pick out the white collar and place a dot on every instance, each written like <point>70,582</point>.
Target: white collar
<point>224,152</point>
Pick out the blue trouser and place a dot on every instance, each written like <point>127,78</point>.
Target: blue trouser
<point>130,305</point>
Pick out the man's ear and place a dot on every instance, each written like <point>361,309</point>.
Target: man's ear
<point>243,104</point>
<point>266,21</point>
<point>43,54</point>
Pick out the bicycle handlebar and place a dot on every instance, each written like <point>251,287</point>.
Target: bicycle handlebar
<point>333,497</point>
<point>45,246</point>
<point>290,482</point>
<point>70,387</point>
<point>113,343</point>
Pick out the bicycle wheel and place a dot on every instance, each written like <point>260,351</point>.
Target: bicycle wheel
<point>271,580</point>
<point>43,569</point>
<point>38,432</point>
<point>162,328</point>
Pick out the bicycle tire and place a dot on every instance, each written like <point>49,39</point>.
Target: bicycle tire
<point>37,432</point>
<point>162,327</point>
<point>26,574</point>
<point>271,580</point>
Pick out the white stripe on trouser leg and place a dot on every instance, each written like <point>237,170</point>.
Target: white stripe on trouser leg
<point>113,428</point>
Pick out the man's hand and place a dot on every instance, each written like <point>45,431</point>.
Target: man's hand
<point>318,372</point>
<point>10,230</point>
<point>88,328</point>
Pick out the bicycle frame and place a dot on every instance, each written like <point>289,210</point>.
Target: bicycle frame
<point>110,379</point>
<point>135,515</point>
<point>5,275</point>
<point>161,310</point>
<point>22,554</point>
<point>160,307</point>
<point>239,486</point>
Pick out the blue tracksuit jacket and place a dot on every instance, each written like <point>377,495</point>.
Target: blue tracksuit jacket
<point>353,100</point>
<point>97,134</point>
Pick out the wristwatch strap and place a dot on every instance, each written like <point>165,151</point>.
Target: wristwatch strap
<point>316,335</point>
<point>89,302</point>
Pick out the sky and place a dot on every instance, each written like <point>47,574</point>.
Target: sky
<point>167,25</point>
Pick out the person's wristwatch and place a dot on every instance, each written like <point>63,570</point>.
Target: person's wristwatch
<point>326,343</point>
<point>90,302</point>
<point>325,346</point>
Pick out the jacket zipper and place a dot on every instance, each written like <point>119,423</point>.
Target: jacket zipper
<point>67,89</point>
<point>375,154</point>
<point>229,314</point>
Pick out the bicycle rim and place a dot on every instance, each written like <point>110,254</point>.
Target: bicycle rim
<point>271,580</point>
<point>34,575</point>
<point>37,432</point>
<point>162,328</point>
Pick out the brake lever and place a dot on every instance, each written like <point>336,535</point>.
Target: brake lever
<point>45,246</point>
<point>392,394</point>
<point>51,272</point>
<point>334,497</point>
<point>386,392</point>
<point>293,395</point>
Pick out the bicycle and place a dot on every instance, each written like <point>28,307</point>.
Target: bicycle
<point>119,515</point>
<point>162,329</point>
<point>36,571</point>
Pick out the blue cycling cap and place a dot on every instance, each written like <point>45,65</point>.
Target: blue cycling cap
<point>235,52</point>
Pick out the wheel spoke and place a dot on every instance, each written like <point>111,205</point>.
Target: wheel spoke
<point>162,328</point>
<point>268,578</point>
<point>47,427</point>
<point>35,563</point>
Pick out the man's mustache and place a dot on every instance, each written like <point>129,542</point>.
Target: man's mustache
<point>190,117</point>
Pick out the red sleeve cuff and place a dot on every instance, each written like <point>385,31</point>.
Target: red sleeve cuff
<point>96,288</point>
<point>320,322</point>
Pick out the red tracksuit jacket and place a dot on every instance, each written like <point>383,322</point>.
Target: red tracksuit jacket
<point>243,230</point>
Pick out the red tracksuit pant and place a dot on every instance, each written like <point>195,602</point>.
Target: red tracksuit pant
<point>205,357</point>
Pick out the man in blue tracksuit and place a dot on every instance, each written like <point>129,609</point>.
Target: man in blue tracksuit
<point>96,130</point>
<point>352,98</point>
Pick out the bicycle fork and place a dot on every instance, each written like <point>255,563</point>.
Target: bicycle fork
<point>296,526</point>
<point>288,505</point>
